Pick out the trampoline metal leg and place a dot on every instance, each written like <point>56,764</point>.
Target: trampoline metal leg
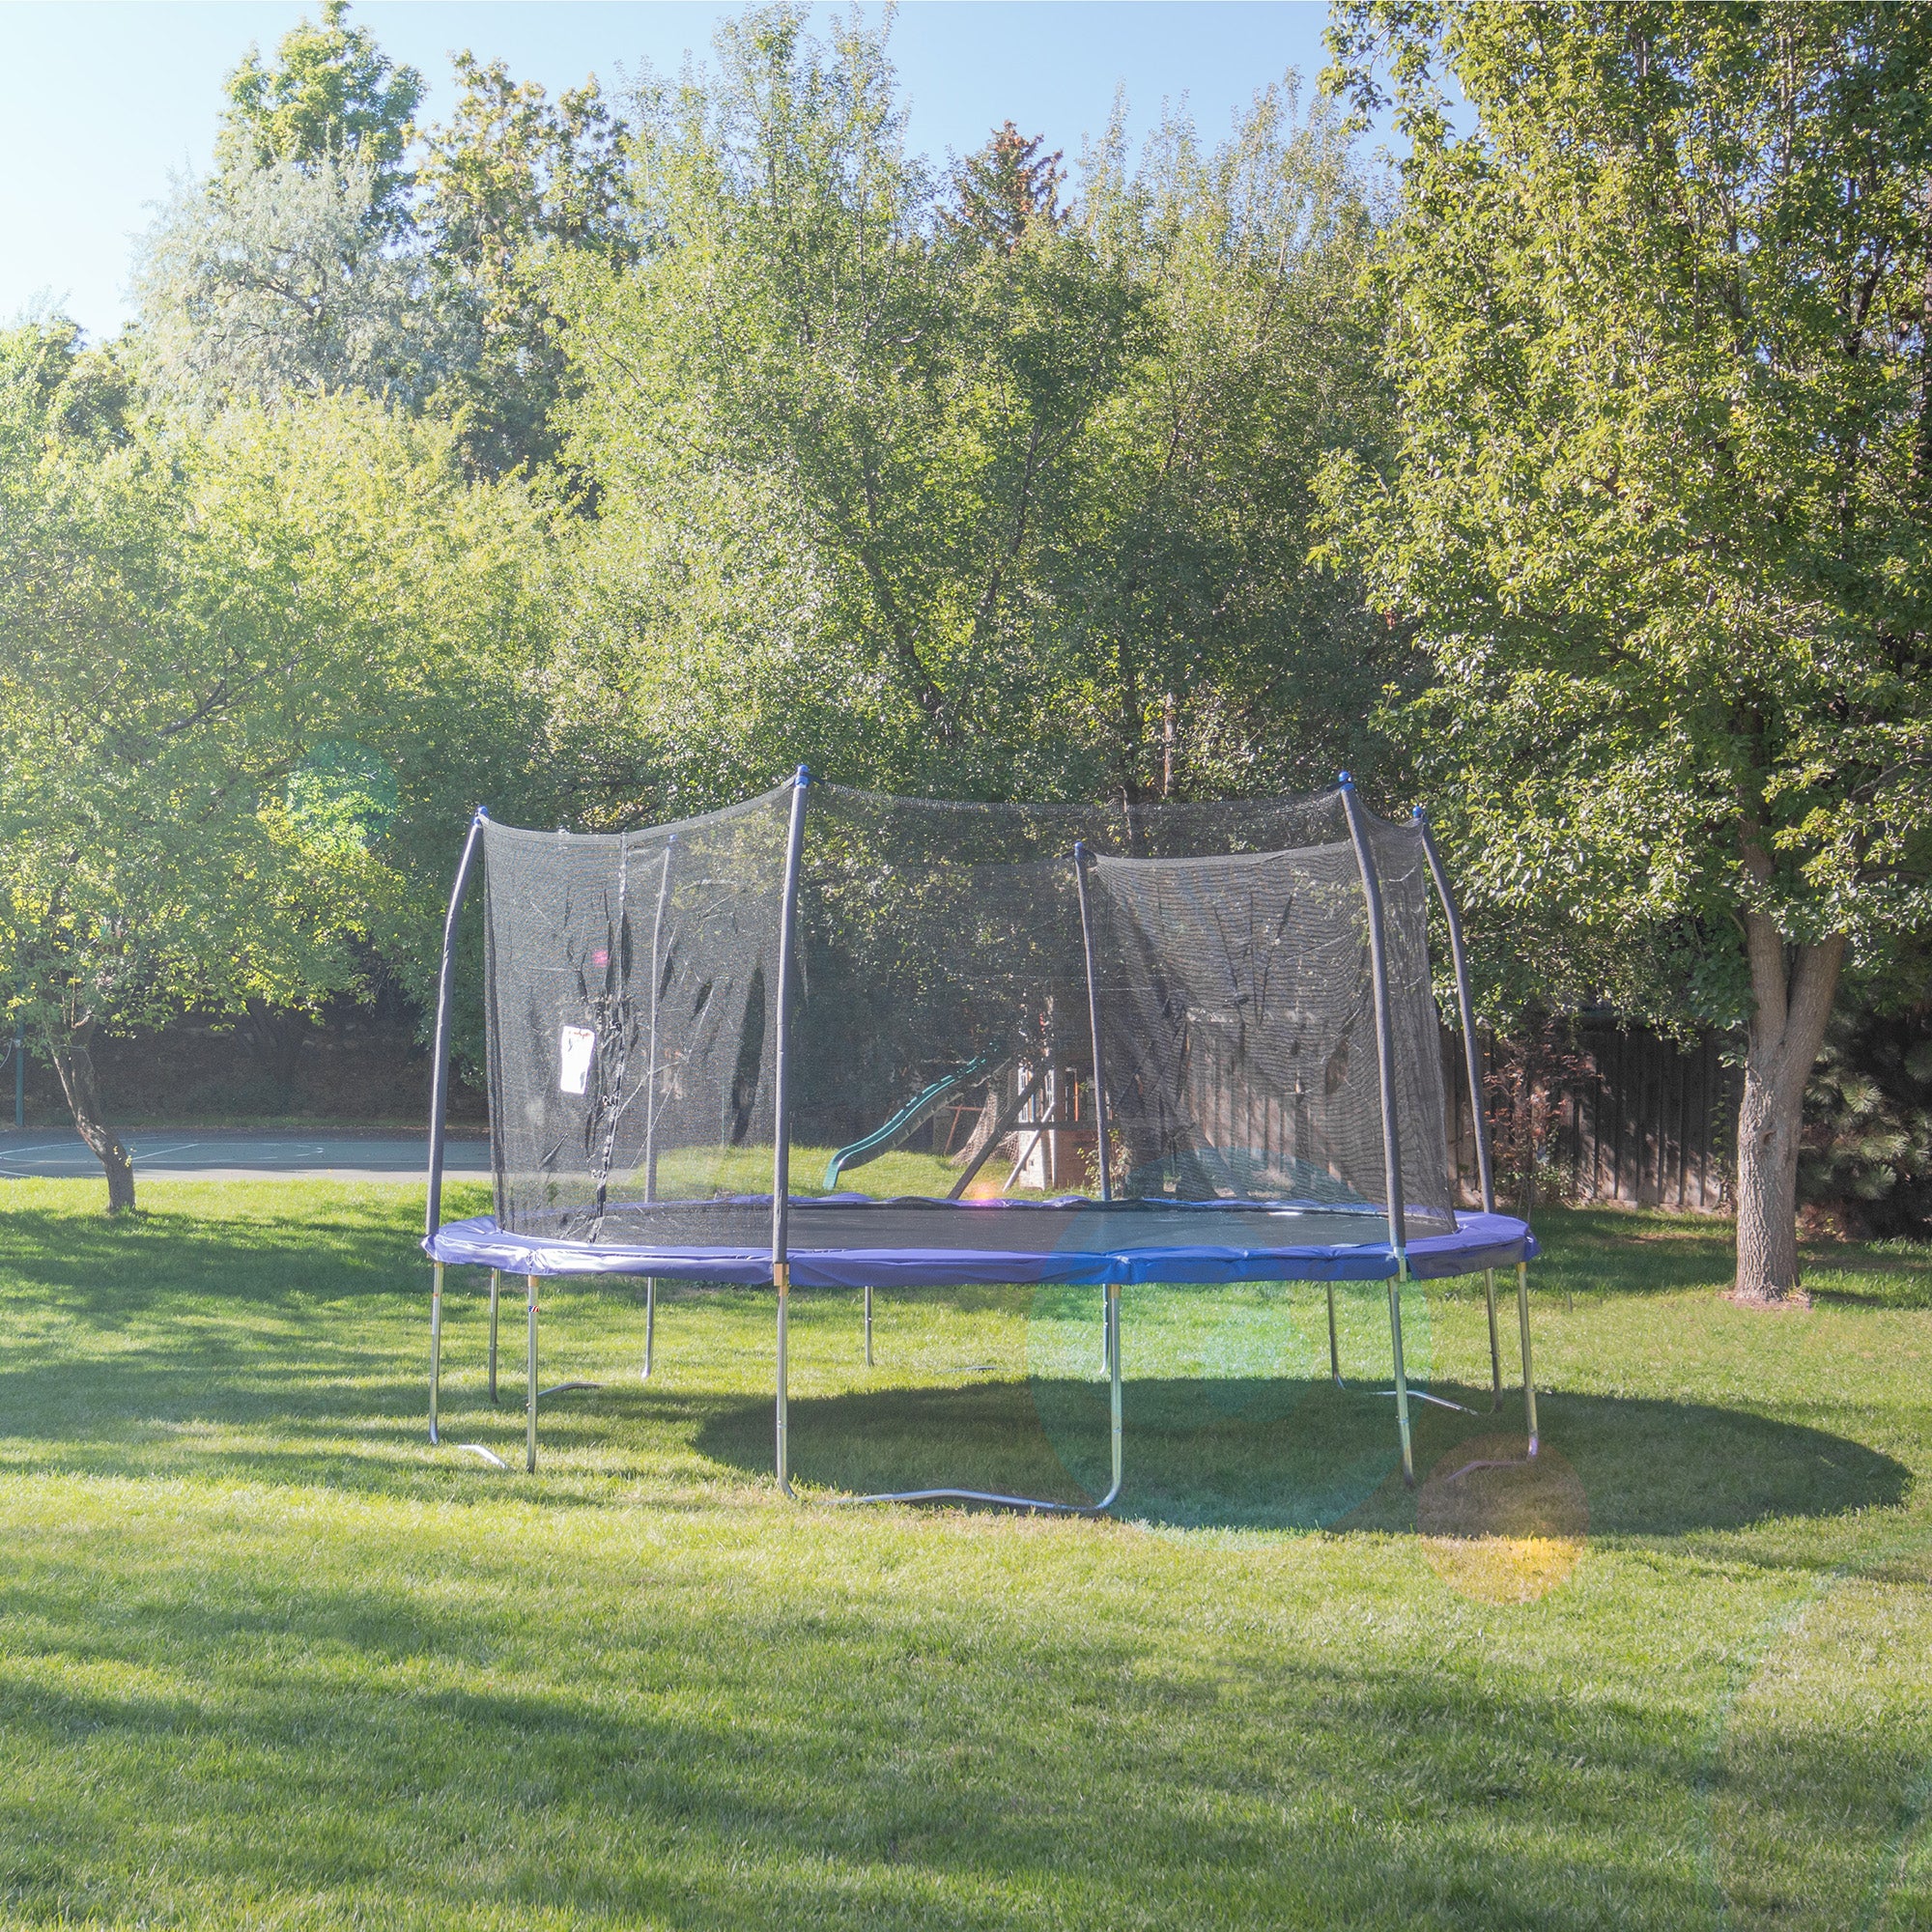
<point>1334,1345</point>
<point>496,1299</point>
<point>650,1323</point>
<point>1495,1348</point>
<point>782,1457</point>
<point>1528,1372</point>
<point>1113,1394</point>
<point>435,1344</point>
<point>530,1390</point>
<point>868,1324</point>
<point>1400,1379</point>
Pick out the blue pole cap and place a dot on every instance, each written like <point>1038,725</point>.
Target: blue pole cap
<point>1345,781</point>
<point>804,777</point>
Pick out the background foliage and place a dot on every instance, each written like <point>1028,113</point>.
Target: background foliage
<point>604,459</point>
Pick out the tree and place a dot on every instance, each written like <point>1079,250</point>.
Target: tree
<point>1007,189</point>
<point>1227,665</point>
<point>276,279</point>
<point>249,681</point>
<point>334,96</point>
<point>1657,510</point>
<point>508,175</point>
<point>293,270</point>
<point>953,506</point>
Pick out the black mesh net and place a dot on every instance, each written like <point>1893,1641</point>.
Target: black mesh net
<point>631,987</point>
<point>955,966</point>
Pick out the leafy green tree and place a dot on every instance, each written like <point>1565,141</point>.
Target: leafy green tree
<point>761,410</point>
<point>1657,510</point>
<point>949,502</point>
<point>294,269</point>
<point>313,260</point>
<point>1226,666</point>
<point>250,683</point>
<point>275,281</point>
<point>333,95</point>
<point>508,175</point>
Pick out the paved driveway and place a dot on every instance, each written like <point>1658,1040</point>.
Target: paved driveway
<point>188,1153</point>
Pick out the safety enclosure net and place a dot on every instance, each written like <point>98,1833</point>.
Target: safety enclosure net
<point>956,970</point>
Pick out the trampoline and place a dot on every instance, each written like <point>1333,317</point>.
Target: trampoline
<point>1199,1043</point>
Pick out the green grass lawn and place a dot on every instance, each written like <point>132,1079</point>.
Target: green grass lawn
<point>268,1658</point>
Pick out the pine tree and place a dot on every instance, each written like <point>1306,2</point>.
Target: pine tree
<point>1005,188</point>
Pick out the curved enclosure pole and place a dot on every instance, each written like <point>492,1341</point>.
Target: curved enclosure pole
<point>1103,1149</point>
<point>652,1069</point>
<point>1464,1009</point>
<point>782,1111</point>
<point>781,1077</point>
<point>446,998</point>
<point>1372,893</point>
<point>439,1102</point>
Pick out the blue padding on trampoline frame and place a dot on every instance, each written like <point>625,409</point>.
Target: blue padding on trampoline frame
<point>1480,1241</point>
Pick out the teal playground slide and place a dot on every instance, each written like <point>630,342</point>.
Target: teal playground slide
<point>881,1140</point>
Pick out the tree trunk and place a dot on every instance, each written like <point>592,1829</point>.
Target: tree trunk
<point>73,1062</point>
<point>1792,988</point>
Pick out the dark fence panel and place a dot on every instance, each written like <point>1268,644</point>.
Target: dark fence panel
<point>1589,1111</point>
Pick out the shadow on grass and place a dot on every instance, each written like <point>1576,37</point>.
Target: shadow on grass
<point>1643,1251</point>
<point>1279,1453</point>
<point>1234,1451</point>
<point>107,1271</point>
<point>285,1343</point>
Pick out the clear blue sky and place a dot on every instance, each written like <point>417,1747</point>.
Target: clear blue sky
<point>101,99</point>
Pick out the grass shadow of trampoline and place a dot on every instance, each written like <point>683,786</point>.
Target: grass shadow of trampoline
<point>1285,1454</point>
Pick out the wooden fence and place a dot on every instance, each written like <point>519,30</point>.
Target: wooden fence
<point>1596,1112</point>
<point>1580,1110</point>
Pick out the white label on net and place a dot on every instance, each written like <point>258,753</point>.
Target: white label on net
<point>575,1044</point>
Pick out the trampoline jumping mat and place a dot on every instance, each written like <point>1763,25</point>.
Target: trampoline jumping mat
<point>852,1240</point>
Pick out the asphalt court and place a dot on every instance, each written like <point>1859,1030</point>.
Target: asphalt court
<point>184,1153</point>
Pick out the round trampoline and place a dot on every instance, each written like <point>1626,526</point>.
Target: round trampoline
<point>1101,1047</point>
